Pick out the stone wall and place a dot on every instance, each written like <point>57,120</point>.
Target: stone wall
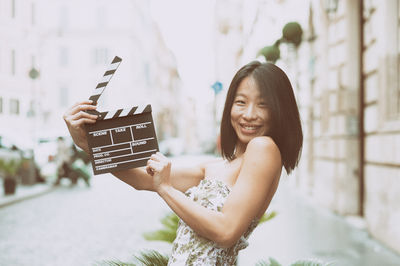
<point>329,165</point>
<point>382,124</point>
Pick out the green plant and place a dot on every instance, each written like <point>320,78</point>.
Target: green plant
<point>168,233</point>
<point>306,262</point>
<point>267,217</point>
<point>271,262</point>
<point>271,53</point>
<point>144,258</point>
<point>292,33</point>
<point>9,168</point>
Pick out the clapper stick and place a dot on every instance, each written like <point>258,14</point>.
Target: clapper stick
<point>120,139</point>
<point>101,86</point>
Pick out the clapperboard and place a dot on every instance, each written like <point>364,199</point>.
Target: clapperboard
<point>120,139</point>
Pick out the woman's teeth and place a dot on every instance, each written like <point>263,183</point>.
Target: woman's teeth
<point>249,127</point>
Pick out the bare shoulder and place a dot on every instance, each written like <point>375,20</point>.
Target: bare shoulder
<point>263,154</point>
<point>211,162</point>
<point>262,145</point>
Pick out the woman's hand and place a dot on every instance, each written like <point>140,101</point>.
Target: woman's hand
<point>75,118</point>
<point>159,167</point>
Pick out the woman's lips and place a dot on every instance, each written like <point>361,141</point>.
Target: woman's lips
<point>249,129</point>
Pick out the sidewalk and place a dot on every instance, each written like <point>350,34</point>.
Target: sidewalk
<point>24,192</point>
<point>304,230</point>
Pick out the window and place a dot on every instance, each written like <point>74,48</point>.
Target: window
<point>14,106</point>
<point>100,56</point>
<point>64,17</point>
<point>13,8</point>
<point>13,62</point>
<point>33,13</point>
<point>392,95</point>
<point>63,94</point>
<point>63,56</point>
<point>101,17</point>
<point>1,105</point>
<point>31,110</point>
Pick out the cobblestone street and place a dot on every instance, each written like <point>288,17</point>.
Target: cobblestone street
<point>80,225</point>
<point>84,226</point>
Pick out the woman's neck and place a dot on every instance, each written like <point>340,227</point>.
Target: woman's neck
<point>240,148</point>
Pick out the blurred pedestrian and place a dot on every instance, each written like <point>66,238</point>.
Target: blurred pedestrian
<point>63,160</point>
<point>220,202</point>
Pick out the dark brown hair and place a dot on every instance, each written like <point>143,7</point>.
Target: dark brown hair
<point>277,92</point>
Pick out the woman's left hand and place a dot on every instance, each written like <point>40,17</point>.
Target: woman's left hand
<point>159,167</point>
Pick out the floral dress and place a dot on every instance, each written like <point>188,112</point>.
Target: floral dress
<point>191,249</point>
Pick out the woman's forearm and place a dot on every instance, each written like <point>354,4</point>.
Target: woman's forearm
<point>135,177</point>
<point>205,222</point>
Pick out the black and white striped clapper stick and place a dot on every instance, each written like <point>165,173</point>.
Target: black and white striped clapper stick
<point>101,86</point>
<point>120,139</point>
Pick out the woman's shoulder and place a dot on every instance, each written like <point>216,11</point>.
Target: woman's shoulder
<point>213,162</point>
<point>262,145</point>
<point>262,142</point>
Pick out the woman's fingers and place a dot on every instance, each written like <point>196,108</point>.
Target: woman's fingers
<point>159,157</point>
<point>83,114</point>
<point>149,170</point>
<point>83,121</point>
<point>155,166</point>
<point>80,106</point>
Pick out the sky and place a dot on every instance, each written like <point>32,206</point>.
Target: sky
<point>187,28</point>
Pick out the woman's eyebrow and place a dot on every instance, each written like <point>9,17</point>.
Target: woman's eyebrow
<point>240,94</point>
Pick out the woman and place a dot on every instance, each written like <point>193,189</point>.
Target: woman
<point>221,202</point>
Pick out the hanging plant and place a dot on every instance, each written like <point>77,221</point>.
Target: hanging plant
<point>292,33</point>
<point>271,53</point>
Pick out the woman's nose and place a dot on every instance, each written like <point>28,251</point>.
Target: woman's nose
<point>250,112</point>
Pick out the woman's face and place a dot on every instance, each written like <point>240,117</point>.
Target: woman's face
<point>249,113</point>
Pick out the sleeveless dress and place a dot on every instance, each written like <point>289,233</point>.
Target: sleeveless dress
<point>191,249</point>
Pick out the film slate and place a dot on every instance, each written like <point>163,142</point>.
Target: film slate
<point>120,139</point>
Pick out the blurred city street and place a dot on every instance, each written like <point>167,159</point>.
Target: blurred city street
<point>79,225</point>
<point>85,226</point>
<point>176,61</point>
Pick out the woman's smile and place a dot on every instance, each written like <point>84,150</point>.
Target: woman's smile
<point>249,129</point>
<point>249,113</point>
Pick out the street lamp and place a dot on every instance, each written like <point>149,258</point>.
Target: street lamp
<point>33,74</point>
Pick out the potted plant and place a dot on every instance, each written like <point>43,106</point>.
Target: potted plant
<point>8,169</point>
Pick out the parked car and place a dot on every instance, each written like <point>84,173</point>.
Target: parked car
<point>45,153</point>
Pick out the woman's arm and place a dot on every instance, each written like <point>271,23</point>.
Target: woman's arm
<point>76,118</point>
<point>182,178</point>
<point>260,168</point>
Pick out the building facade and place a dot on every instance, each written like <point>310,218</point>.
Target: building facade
<point>345,75</point>
<point>349,70</point>
<point>71,43</point>
<point>18,35</point>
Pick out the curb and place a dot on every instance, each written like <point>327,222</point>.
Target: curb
<point>33,193</point>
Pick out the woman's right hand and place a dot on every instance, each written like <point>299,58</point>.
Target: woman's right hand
<point>76,118</point>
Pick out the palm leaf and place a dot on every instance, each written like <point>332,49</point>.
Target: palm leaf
<point>145,258</point>
<point>309,262</point>
<point>151,258</point>
<point>168,233</point>
<point>267,216</point>
<point>114,263</point>
<point>272,262</point>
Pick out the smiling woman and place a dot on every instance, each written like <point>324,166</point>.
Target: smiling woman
<point>261,102</point>
<point>219,203</point>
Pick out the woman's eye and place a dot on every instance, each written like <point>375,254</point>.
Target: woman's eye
<point>262,105</point>
<point>239,102</point>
